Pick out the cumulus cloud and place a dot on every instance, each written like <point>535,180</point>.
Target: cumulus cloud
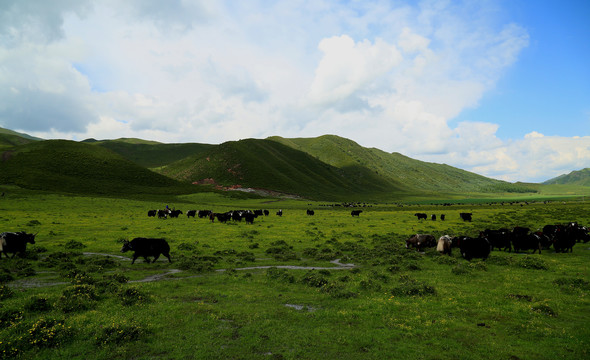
<point>391,76</point>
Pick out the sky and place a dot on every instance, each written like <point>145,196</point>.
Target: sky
<point>497,87</point>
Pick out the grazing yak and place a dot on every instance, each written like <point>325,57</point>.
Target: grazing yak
<point>444,244</point>
<point>561,237</point>
<point>175,213</point>
<point>15,243</point>
<point>280,213</point>
<point>433,217</point>
<point>249,217</point>
<point>466,216</point>
<point>420,216</point>
<point>203,213</point>
<point>356,212</point>
<point>442,217</point>
<point>145,247</point>
<point>152,213</point>
<point>190,213</point>
<point>522,240</point>
<point>420,241</point>
<point>473,247</point>
<point>500,238</point>
<point>310,212</point>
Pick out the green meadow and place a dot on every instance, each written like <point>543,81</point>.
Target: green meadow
<point>328,286</point>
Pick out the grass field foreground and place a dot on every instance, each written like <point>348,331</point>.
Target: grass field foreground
<point>73,297</point>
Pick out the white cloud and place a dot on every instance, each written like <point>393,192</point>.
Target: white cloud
<point>391,76</point>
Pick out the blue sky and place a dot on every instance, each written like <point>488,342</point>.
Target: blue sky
<point>497,87</point>
<point>548,88</point>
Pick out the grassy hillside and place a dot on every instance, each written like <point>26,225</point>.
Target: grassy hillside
<point>152,154</point>
<point>272,165</point>
<point>419,175</point>
<point>9,138</point>
<point>69,166</point>
<point>580,177</point>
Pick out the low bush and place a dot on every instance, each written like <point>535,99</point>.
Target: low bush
<point>532,262</point>
<point>77,298</point>
<point>38,303</point>
<point>5,292</point>
<point>132,296</point>
<point>73,244</point>
<point>187,246</point>
<point>572,284</point>
<point>119,334</point>
<point>48,333</point>
<point>10,317</point>
<point>544,309</point>
<point>314,279</point>
<point>412,287</point>
<point>280,274</point>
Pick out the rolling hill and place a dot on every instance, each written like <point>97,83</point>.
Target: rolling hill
<point>419,175</point>
<point>9,138</point>
<point>326,167</point>
<point>579,177</point>
<point>151,154</point>
<point>274,166</point>
<point>69,166</point>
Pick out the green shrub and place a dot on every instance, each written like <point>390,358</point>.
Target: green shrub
<point>132,296</point>
<point>544,309</point>
<point>119,334</point>
<point>572,284</point>
<point>111,283</point>
<point>445,260</point>
<point>532,262</point>
<point>338,291</point>
<point>77,298</point>
<point>196,263</point>
<point>38,303</point>
<point>314,279</point>
<point>103,262</point>
<point>10,317</point>
<point>280,274</point>
<point>521,297</point>
<point>187,247</point>
<point>73,244</point>
<point>5,292</point>
<point>5,276</point>
<point>246,256</point>
<point>412,287</point>
<point>48,333</point>
<point>468,267</point>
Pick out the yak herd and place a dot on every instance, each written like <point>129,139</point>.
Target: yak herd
<point>561,237</point>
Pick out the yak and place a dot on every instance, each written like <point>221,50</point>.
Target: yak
<point>420,241</point>
<point>15,243</point>
<point>470,248</point>
<point>145,247</point>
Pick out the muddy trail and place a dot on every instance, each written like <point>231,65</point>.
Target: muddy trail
<point>167,274</point>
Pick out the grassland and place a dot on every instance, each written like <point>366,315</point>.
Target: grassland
<point>66,300</point>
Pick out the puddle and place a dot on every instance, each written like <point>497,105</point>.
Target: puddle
<point>339,266</point>
<point>38,282</point>
<point>157,277</point>
<point>301,307</point>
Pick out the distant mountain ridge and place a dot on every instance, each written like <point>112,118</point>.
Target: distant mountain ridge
<point>326,167</point>
<point>578,177</point>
